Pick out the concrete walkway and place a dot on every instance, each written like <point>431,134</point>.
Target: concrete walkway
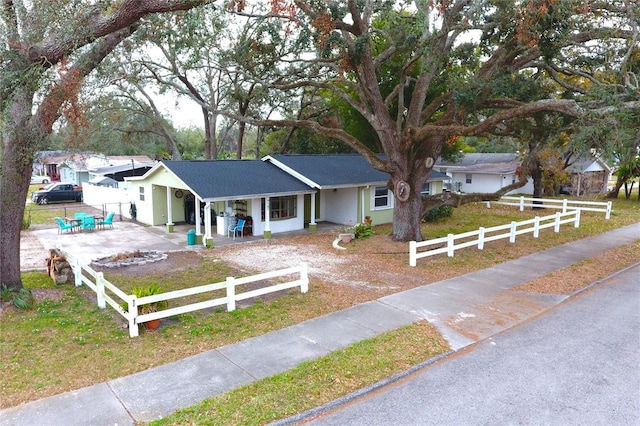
<point>480,303</point>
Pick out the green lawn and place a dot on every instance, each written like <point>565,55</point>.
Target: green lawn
<point>41,349</point>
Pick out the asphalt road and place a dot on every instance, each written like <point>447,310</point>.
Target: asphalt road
<point>579,364</point>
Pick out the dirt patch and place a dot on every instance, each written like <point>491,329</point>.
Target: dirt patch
<point>174,262</point>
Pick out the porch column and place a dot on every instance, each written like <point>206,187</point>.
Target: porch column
<point>313,227</point>
<point>198,219</point>
<point>267,217</point>
<point>207,241</point>
<point>169,210</point>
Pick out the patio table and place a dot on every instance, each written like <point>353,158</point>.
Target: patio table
<point>74,221</point>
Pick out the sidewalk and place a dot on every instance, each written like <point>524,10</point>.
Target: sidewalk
<point>481,302</point>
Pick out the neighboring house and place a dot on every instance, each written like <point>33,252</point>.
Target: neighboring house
<point>215,192</point>
<point>119,172</point>
<point>347,187</point>
<point>484,172</point>
<point>587,176</point>
<point>77,167</point>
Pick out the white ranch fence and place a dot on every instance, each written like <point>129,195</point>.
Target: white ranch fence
<point>552,203</point>
<point>84,274</point>
<point>483,235</point>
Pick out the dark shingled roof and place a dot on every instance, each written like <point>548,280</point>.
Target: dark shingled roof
<point>338,170</point>
<point>235,179</point>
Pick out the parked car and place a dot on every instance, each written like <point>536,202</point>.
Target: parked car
<point>57,192</point>
<point>39,179</point>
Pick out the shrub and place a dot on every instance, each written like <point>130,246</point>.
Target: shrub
<point>437,213</point>
<point>363,231</point>
<point>21,299</point>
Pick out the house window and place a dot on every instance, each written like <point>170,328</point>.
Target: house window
<point>281,207</point>
<point>382,198</point>
<point>426,189</point>
<point>468,178</point>
<point>141,189</point>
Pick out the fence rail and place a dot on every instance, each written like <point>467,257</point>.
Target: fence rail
<point>552,203</point>
<point>84,274</point>
<point>482,235</point>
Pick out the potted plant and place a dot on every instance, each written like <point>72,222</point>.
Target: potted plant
<point>347,234</point>
<point>148,308</point>
<point>367,220</point>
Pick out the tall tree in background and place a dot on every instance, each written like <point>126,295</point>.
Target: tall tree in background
<point>47,48</point>
<point>448,82</point>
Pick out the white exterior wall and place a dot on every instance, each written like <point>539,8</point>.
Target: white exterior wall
<point>115,200</point>
<point>339,205</point>
<point>277,225</point>
<point>482,182</point>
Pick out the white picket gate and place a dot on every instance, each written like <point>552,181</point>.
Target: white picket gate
<point>483,235</point>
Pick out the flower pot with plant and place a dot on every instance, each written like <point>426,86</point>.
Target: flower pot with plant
<point>367,220</point>
<point>148,308</point>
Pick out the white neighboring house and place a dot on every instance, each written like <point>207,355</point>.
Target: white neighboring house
<point>484,173</point>
<point>78,168</point>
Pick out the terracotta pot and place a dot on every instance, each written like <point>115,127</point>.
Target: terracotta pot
<point>152,325</point>
<point>367,221</point>
<point>346,238</point>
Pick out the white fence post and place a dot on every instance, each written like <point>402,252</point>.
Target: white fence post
<point>607,215</point>
<point>132,313</point>
<point>512,232</point>
<point>304,276</point>
<point>481,238</point>
<point>536,227</point>
<point>77,271</point>
<point>413,249</point>
<point>521,203</point>
<point>564,206</point>
<point>231,294</point>
<point>577,221</point>
<point>100,290</point>
<point>556,228</point>
<point>450,244</point>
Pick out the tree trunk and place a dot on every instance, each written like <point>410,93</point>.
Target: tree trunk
<point>616,190</point>
<point>21,139</point>
<point>407,216</point>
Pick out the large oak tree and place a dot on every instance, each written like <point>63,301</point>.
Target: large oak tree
<point>47,48</point>
<point>459,68</point>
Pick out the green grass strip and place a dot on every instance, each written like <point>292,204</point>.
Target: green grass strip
<point>317,382</point>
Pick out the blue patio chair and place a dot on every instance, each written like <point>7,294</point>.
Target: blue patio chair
<point>107,221</point>
<point>237,228</point>
<point>62,225</point>
<point>88,223</point>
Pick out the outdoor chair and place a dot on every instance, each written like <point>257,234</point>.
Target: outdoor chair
<point>108,221</point>
<point>62,225</point>
<point>237,228</point>
<point>88,223</point>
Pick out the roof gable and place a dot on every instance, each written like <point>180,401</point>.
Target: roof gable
<point>331,170</point>
<point>335,170</point>
<point>233,179</point>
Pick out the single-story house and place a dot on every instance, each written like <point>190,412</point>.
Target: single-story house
<point>214,193</point>
<point>278,194</point>
<point>484,172</point>
<point>348,187</point>
<point>587,176</point>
